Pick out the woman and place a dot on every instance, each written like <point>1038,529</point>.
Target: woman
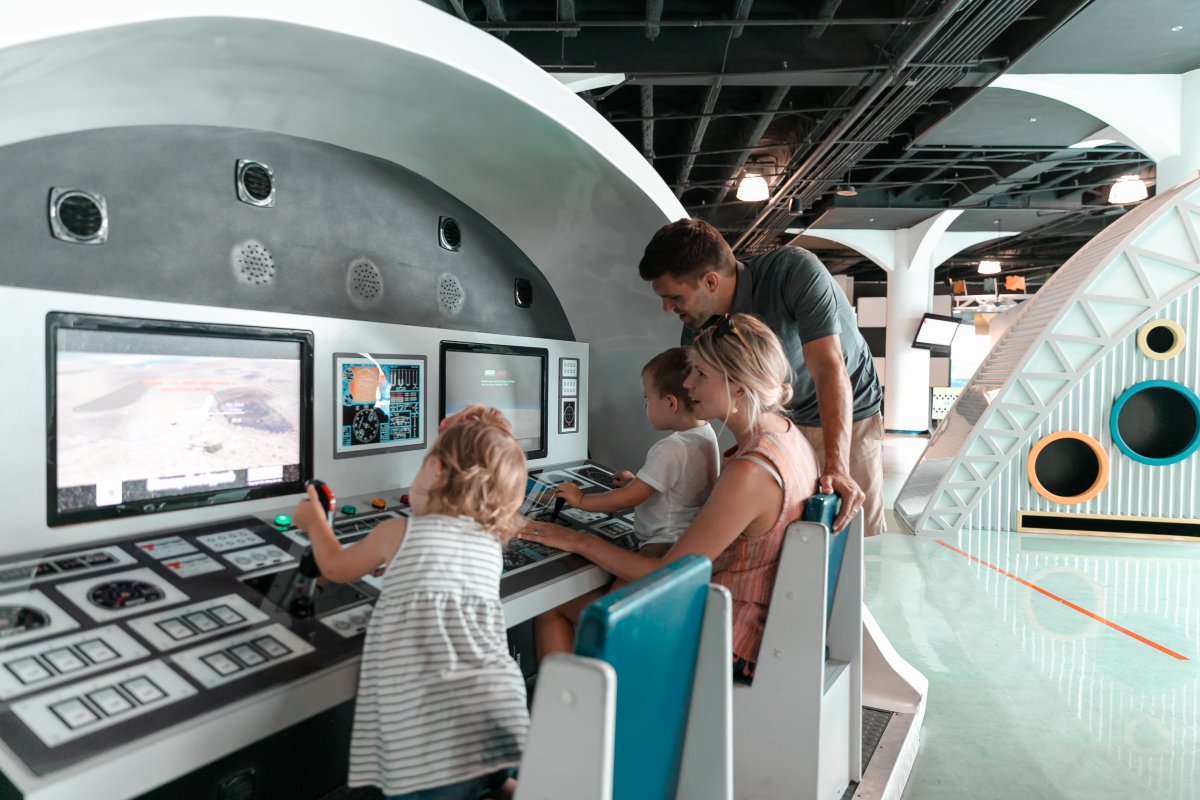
<point>739,376</point>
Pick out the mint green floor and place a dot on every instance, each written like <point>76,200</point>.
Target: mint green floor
<point>1029,698</point>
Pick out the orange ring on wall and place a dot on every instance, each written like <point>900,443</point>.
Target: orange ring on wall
<point>1098,484</point>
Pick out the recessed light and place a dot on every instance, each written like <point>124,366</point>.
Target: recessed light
<point>1176,29</point>
<point>1033,119</point>
<point>872,219</point>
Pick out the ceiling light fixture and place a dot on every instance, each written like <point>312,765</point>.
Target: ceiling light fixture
<point>989,266</point>
<point>1086,143</point>
<point>846,190</point>
<point>1176,28</point>
<point>753,188</point>
<point>1128,189</point>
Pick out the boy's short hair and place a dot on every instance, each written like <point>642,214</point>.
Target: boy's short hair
<point>685,250</point>
<point>667,371</point>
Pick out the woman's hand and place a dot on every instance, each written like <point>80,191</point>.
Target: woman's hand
<point>569,492</point>
<point>552,535</point>
<point>622,478</point>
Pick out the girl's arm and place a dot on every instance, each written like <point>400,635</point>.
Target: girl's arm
<point>744,499</point>
<point>345,564</point>
<point>632,494</point>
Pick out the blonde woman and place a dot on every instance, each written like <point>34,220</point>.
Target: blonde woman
<point>740,377</point>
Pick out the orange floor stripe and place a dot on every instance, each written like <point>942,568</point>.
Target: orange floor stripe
<point>1068,603</point>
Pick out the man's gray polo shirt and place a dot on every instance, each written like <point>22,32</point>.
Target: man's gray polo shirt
<point>795,295</point>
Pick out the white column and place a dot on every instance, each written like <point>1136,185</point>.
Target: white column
<point>906,369</point>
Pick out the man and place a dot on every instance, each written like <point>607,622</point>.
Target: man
<point>836,393</point>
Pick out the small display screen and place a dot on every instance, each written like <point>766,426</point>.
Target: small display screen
<point>936,332</point>
<point>511,379</point>
<point>381,402</point>
<point>147,415</point>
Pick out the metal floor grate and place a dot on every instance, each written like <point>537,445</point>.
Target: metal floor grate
<point>874,723</point>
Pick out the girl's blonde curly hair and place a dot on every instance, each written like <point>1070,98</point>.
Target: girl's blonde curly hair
<point>483,471</point>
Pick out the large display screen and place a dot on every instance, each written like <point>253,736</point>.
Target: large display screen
<point>936,332</point>
<point>511,379</point>
<point>382,403</point>
<point>148,415</point>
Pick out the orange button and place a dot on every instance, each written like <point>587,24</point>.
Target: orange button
<point>379,502</point>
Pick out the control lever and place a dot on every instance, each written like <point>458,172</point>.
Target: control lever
<point>559,502</point>
<point>304,585</point>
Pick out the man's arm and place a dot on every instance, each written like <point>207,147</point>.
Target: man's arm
<point>835,403</point>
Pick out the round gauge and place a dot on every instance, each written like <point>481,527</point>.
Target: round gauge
<point>365,425</point>
<point>14,619</point>
<point>568,417</point>
<point>123,594</point>
<point>348,374</point>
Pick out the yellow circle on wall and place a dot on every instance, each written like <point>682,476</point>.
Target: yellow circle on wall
<point>1161,339</point>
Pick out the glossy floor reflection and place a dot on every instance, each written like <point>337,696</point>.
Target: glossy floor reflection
<point>1059,667</point>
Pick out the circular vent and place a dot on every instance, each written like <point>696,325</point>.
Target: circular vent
<point>449,234</point>
<point>1067,467</point>
<point>1161,339</point>
<point>450,294</point>
<point>364,283</point>
<point>1156,422</point>
<point>255,183</point>
<point>78,216</point>
<point>253,264</point>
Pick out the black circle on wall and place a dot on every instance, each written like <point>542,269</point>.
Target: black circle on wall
<point>1157,422</point>
<point>257,181</point>
<point>449,234</point>
<point>1160,339</point>
<point>1067,467</point>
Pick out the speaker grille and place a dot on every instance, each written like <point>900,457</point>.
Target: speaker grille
<point>450,294</point>
<point>78,216</point>
<point>364,283</point>
<point>253,263</point>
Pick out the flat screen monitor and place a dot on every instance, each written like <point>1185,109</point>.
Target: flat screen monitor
<point>146,416</point>
<point>509,378</point>
<point>382,403</point>
<point>936,332</point>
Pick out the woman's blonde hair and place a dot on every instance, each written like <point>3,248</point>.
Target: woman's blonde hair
<point>483,471</point>
<point>751,357</point>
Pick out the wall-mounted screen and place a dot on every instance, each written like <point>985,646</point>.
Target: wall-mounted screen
<point>509,378</point>
<point>149,415</point>
<point>936,332</point>
<point>380,402</point>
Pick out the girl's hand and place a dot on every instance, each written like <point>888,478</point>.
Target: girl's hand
<point>569,492</point>
<point>622,478</point>
<point>552,535</point>
<point>309,514</point>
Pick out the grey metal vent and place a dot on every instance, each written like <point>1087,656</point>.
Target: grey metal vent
<point>450,294</point>
<point>364,283</point>
<point>253,263</point>
<point>255,183</point>
<point>78,216</point>
<point>449,234</point>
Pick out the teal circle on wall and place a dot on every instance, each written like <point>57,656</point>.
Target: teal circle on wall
<point>1156,422</point>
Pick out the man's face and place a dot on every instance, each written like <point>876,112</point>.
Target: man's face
<point>692,302</point>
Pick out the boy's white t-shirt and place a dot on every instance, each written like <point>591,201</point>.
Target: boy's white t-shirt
<point>681,469</point>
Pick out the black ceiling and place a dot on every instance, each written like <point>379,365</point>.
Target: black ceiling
<point>883,94</point>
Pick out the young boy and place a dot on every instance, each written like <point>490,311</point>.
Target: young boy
<point>680,470</point>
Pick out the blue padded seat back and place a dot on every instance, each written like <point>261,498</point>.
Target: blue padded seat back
<point>823,508</point>
<point>649,631</point>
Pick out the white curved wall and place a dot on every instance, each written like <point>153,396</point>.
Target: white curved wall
<point>396,79</point>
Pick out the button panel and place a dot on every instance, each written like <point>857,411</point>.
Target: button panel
<point>23,573</point>
<point>40,666</point>
<point>193,623</point>
<point>229,540</point>
<point>258,557</point>
<point>166,547</point>
<point>349,621</point>
<point>234,657</point>
<point>83,708</point>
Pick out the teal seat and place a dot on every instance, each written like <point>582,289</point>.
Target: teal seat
<point>822,508</point>
<point>642,709</point>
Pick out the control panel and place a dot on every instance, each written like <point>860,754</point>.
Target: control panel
<point>102,646</point>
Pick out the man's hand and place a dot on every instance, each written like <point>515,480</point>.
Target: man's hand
<point>622,478</point>
<point>841,484</point>
<point>569,492</point>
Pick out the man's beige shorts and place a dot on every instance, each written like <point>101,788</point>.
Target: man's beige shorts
<point>866,465</point>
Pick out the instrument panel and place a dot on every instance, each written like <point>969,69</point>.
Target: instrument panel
<point>103,646</point>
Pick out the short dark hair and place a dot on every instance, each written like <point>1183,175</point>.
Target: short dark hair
<point>667,371</point>
<point>686,248</point>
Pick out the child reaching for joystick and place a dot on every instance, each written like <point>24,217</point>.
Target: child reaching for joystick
<point>680,470</point>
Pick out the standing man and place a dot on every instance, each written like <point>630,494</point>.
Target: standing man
<point>836,393</point>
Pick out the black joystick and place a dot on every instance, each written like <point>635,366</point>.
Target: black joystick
<point>559,502</point>
<point>304,585</point>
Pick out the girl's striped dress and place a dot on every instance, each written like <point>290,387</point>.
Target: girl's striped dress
<point>440,700</point>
